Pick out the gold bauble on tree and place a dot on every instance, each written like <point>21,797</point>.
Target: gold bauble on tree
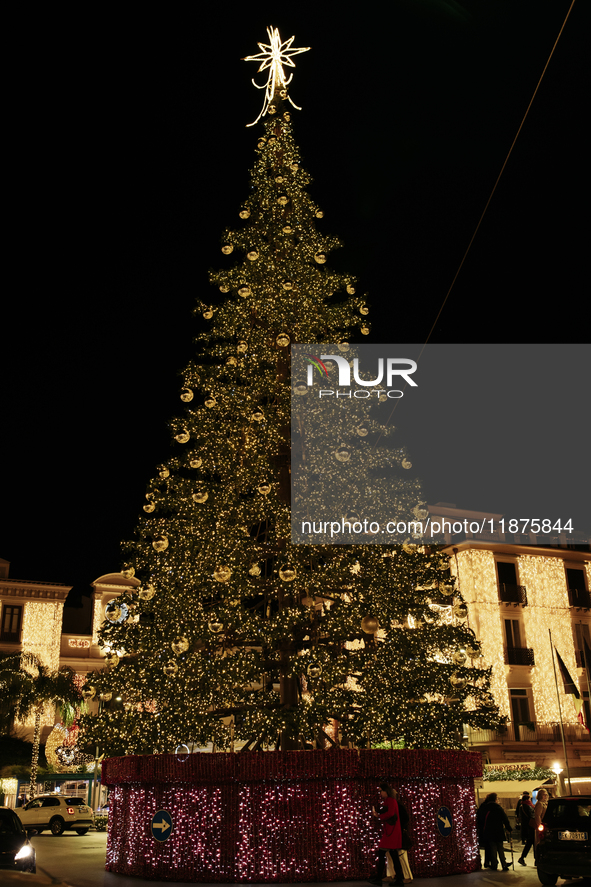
<point>369,624</point>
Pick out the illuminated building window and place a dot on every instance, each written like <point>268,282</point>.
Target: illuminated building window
<point>578,593</point>
<point>520,709</point>
<point>510,591</point>
<point>517,651</point>
<point>11,623</point>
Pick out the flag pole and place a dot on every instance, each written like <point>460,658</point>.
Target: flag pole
<point>560,713</point>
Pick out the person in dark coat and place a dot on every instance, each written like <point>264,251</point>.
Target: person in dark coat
<point>526,818</point>
<point>493,826</point>
<point>391,836</point>
<point>480,814</point>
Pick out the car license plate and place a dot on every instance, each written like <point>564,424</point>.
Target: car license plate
<point>573,836</point>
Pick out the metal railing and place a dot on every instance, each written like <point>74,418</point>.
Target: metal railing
<point>512,594</point>
<point>529,732</point>
<point>579,597</point>
<point>519,656</point>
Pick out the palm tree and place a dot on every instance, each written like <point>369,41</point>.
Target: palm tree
<point>26,687</point>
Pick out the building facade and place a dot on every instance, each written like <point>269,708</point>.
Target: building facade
<point>528,602</point>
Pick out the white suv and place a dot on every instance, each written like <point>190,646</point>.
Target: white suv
<point>56,813</point>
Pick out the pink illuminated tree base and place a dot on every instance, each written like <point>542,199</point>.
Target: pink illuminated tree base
<point>286,816</point>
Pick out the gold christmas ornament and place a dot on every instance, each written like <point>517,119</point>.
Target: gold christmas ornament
<point>314,670</point>
<point>244,291</point>
<point>227,249</point>
<point>88,692</point>
<point>160,543</point>
<point>257,416</point>
<point>362,430</point>
<point>208,313</point>
<point>287,573</point>
<point>319,214</point>
<point>210,401</point>
<point>279,179</point>
<point>405,462</point>
<point>369,624</point>
<point>283,200</point>
<point>460,611</point>
<point>201,496</point>
<point>171,668</point>
<point>111,661</point>
<point>195,462</point>
<point>241,347</point>
<point>342,454</point>
<point>252,255</point>
<point>245,213</point>
<point>320,258</point>
<point>264,489</point>
<point>446,590</point>
<point>459,657</point>
<point>146,593</point>
<point>128,572</point>
<point>187,395</point>
<point>182,436</point>
<point>364,309</point>
<point>365,331</point>
<point>343,346</point>
<point>164,472</point>
<point>474,652</point>
<point>215,626</point>
<point>255,570</point>
<point>350,289</point>
<point>231,362</point>
<point>224,288</point>
<point>287,115</point>
<point>294,166</point>
<point>222,573</point>
<point>287,285</point>
<point>283,340</point>
<point>288,229</point>
<point>457,681</point>
<point>180,645</point>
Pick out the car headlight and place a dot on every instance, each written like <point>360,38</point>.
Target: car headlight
<point>25,851</point>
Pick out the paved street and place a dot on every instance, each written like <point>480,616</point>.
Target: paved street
<point>79,861</point>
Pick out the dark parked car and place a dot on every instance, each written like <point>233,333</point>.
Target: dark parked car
<point>16,853</point>
<point>565,835</point>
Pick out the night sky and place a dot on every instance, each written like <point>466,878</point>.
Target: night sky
<point>134,156</point>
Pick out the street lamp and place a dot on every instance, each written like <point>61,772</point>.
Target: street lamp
<point>557,769</point>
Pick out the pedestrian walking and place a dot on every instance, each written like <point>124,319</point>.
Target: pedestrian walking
<point>391,839</point>
<point>407,841</point>
<point>527,821</point>
<point>493,826</point>
<point>480,815</point>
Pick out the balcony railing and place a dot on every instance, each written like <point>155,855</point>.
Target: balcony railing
<point>579,597</point>
<point>519,656</point>
<point>512,594</point>
<point>531,732</point>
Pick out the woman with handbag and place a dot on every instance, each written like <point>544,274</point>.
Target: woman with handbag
<point>391,836</point>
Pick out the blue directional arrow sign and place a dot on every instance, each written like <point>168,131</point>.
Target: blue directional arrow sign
<point>445,822</point>
<point>161,825</point>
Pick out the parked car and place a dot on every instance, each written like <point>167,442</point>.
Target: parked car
<point>56,813</point>
<point>16,853</point>
<point>565,840</point>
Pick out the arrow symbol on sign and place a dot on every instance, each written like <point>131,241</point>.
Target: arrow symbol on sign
<point>445,821</point>
<point>162,825</point>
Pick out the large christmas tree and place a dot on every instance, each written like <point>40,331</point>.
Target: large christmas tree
<point>236,634</point>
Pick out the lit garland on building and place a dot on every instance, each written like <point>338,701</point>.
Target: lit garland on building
<point>548,608</point>
<point>42,629</point>
<point>478,582</point>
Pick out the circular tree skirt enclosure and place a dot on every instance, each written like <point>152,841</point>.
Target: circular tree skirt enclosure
<point>286,816</point>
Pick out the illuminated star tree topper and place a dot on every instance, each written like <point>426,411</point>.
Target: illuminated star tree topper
<point>273,56</point>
